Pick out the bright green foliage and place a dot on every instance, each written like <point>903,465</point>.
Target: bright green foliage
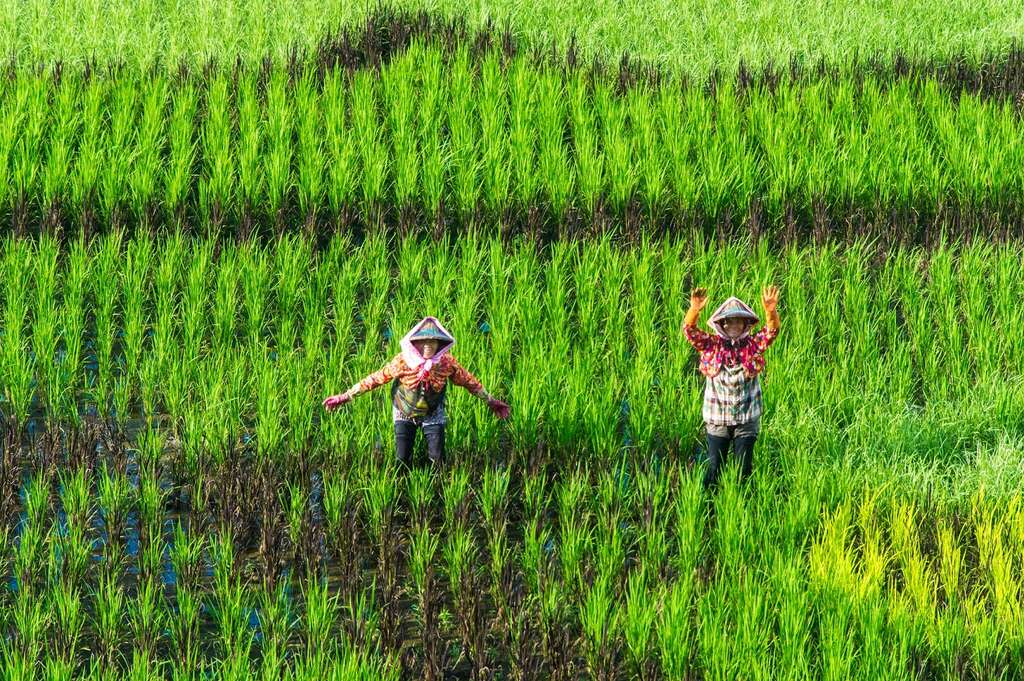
<point>240,529</point>
<point>695,35</point>
<point>481,140</point>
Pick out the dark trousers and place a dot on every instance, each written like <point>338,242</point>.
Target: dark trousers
<point>405,441</point>
<point>718,449</point>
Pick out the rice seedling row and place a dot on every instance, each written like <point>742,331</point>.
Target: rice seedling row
<point>503,143</point>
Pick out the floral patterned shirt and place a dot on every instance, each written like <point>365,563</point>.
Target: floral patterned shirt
<point>445,369</point>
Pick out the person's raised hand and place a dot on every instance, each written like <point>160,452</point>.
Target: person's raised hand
<point>335,401</point>
<point>770,298</point>
<point>500,409</point>
<point>698,298</point>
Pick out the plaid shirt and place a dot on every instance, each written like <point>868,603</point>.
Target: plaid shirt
<point>732,394</point>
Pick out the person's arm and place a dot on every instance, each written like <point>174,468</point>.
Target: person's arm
<point>378,378</point>
<point>767,335</point>
<point>697,338</point>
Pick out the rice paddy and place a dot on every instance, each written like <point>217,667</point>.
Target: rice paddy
<point>212,216</point>
<point>171,482</point>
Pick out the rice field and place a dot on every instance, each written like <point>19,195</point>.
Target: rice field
<point>214,215</point>
<point>442,137</point>
<point>696,36</point>
<point>175,503</point>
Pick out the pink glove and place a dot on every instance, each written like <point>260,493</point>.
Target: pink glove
<point>335,401</point>
<point>500,409</point>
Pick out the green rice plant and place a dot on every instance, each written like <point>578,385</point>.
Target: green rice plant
<point>874,658</point>
<point>461,558</point>
<point>185,551</point>
<point>110,612</point>
<point>21,653</point>
<point>586,153</point>
<point>340,146</point>
<point>455,496</point>
<point>54,177</point>
<point>147,618</point>
<point>270,429</point>
<point>555,172</point>
<point>182,151</point>
<point>311,156</point>
<point>321,613</point>
<point>947,642</point>
<point>522,141</point>
<point>295,500</point>
<point>793,644</point>
<point>225,302</point>
<point>31,109</point>
<point>135,282</point>
<point>256,285</point>
<point>9,134</point>
<point>218,177</point>
<point>184,628</point>
<point>434,154</point>
<point>652,496</point>
<point>918,580</point>
<point>105,292</point>
<point>689,517</point>
<point>674,630</point>
<point>617,143</point>
<point>837,647</point>
<point>610,538</point>
<point>369,143</point>
<point>754,635</point>
<point>420,491</point>
<point>492,103</point>
<point>314,315</point>
<point>575,531</point>
<point>951,564</point>
<point>45,323</point>
<point>423,550</point>
<point>363,616</point>
<point>120,152</point>
<point>143,666</point>
<point>674,113</point>
<point>166,294</point>
<point>115,493</point>
<point>639,620</point>
<point>194,301</point>
<point>229,608</point>
<point>493,498</point>
<point>293,261</point>
<point>276,622</point>
<point>398,85</point>
<point>151,143</point>
<point>600,621</point>
<point>249,149</point>
<point>461,117</point>
<point>19,365</point>
<point>987,651</point>
<point>68,625</point>
<point>29,555</point>
<point>278,165</point>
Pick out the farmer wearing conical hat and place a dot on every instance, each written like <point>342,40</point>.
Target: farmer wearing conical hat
<point>419,377</point>
<point>731,359</point>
